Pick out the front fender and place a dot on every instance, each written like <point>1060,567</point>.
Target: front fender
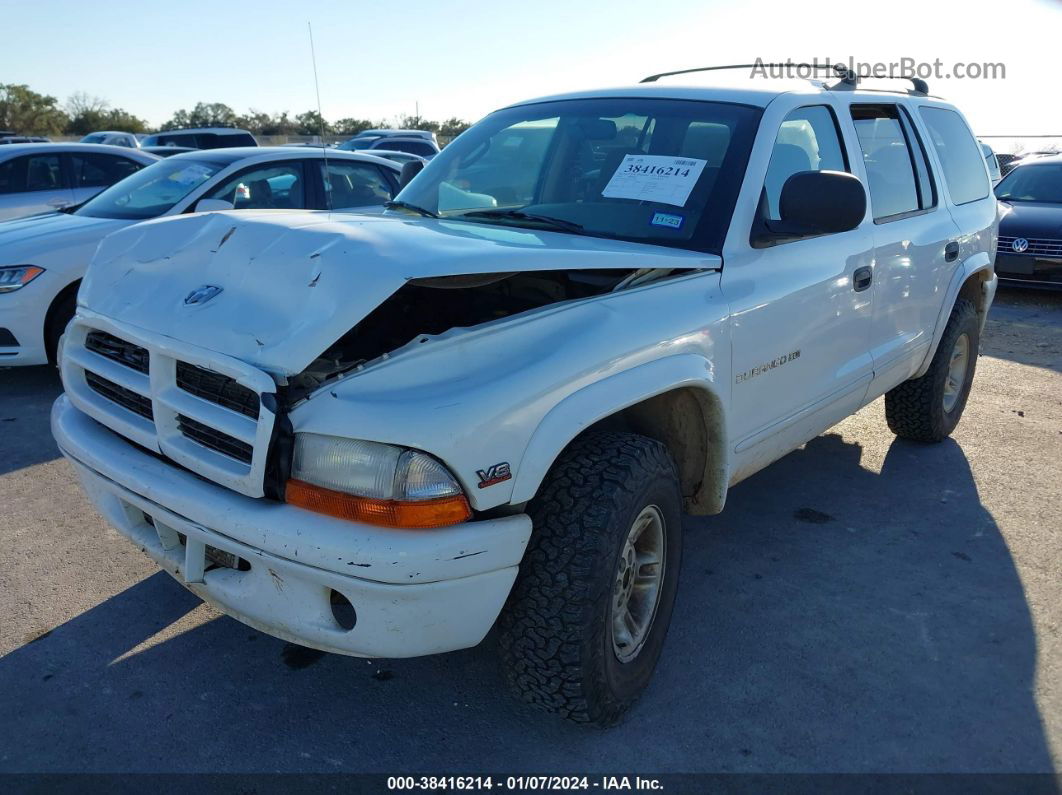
<point>604,398</point>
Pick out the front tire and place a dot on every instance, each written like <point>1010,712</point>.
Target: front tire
<point>586,621</point>
<point>927,409</point>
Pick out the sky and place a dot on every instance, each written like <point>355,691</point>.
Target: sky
<point>465,58</point>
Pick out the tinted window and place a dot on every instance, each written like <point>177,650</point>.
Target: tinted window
<point>807,141</point>
<point>890,163</point>
<point>413,147</point>
<point>272,187</point>
<point>350,185</point>
<point>960,156</point>
<point>92,170</point>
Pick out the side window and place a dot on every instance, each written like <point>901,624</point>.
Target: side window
<point>960,157</point>
<point>12,179</point>
<point>272,187</point>
<point>350,185</point>
<point>94,170</point>
<point>897,186</point>
<point>807,141</point>
<point>42,172</point>
<point>413,147</point>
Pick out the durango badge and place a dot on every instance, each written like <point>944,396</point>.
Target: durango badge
<point>494,474</point>
<point>200,295</point>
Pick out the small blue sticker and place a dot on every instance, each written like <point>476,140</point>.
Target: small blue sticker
<point>670,220</point>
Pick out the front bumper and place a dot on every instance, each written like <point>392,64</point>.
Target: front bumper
<point>22,314</point>
<point>415,592</point>
<point>1029,270</point>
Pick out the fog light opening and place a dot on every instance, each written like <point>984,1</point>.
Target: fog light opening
<point>342,610</point>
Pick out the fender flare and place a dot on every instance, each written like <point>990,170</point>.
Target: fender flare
<point>581,409</point>
<point>979,262</point>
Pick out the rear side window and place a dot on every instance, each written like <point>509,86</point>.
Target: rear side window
<point>897,173</point>
<point>959,154</point>
<point>30,173</point>
<point>94,170</point>
<point>807,141</point>
<point>413,147</point>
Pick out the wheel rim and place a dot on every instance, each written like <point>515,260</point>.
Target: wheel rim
<point>639,577</point>
<point>960,358</point>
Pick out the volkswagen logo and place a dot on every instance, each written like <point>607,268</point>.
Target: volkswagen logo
<point>1020,245</point>
<point>200,295</point>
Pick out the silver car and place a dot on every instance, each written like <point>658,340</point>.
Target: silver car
<point>41,178</point>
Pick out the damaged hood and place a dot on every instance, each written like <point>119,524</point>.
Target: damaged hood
<point>291,284</point>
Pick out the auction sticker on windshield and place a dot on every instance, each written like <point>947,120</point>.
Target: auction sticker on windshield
<point>655,178</point>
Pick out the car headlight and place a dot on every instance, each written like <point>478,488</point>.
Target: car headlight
<point>374,483</point>
<point>15,277</point>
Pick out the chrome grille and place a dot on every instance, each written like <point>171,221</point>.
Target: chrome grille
<point>1038,247</point>
<point>201,409</point>
<point>138,404</point>
<point>217,388</point>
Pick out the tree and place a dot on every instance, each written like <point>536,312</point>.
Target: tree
<point>350,126</point>
<point>89,114</point>
<point>453,127</point>
<point>28,113</point>
<point>418,123</point>
<point>204,114</point>
<point>311,123</point>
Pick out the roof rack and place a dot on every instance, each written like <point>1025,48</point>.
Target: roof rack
<point>849,79</point>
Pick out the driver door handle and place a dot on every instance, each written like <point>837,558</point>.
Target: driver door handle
<point>861,278</point>
<point>951,252</point>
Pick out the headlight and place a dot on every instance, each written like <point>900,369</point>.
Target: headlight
<point>14,277</point>
<point>374,483</point>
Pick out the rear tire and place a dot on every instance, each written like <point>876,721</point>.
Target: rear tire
<point>59,316</point>
<point>927,409</point>
<point>586,620</point>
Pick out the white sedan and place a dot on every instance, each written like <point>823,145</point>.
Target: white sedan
<point>43,258</point>
<point>42,178</point>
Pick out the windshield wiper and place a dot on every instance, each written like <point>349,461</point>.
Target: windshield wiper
<point>407,206</point>
<point>519,215</point>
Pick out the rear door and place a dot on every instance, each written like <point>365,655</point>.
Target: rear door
<point>801,312</point>
<point>350,185</point>
<point>32,184</point>
<point>912,232</point>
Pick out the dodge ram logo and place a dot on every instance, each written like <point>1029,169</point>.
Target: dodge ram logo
<point>1020,245</point>
<point>200,295</point>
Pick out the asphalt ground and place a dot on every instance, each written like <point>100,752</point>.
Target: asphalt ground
<point>864,605</point>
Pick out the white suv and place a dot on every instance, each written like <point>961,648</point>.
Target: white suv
<point>380,435</point>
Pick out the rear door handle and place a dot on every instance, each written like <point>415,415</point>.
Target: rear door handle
<point>861,278</point>
<point>951,252</point>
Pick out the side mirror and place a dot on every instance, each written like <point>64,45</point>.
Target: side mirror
<point>209,205</point>
<point>410,170</point>
<point>821,203</point>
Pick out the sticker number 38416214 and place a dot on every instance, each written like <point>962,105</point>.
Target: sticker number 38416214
<point>655,178</point>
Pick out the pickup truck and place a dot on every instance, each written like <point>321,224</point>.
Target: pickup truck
<point>492,403</point>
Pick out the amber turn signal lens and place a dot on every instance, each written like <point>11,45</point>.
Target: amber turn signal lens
<point>387,513</point>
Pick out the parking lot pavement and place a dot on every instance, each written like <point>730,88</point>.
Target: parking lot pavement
<point>865,604</point>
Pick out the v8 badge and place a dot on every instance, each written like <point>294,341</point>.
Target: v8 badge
<point>494,474</point>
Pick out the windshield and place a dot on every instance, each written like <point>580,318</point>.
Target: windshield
<point>151,191</point>
<point>94,138</point>
<point>1032,183</point>
<point>657,171</point>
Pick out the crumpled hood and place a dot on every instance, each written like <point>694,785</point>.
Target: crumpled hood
<point>293,283</point>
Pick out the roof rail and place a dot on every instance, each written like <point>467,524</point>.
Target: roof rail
<point>840,70</point>
<point>849,79</point>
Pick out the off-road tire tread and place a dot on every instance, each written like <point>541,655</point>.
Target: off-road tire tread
<point>561,578</point>
<point>913,409</point>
